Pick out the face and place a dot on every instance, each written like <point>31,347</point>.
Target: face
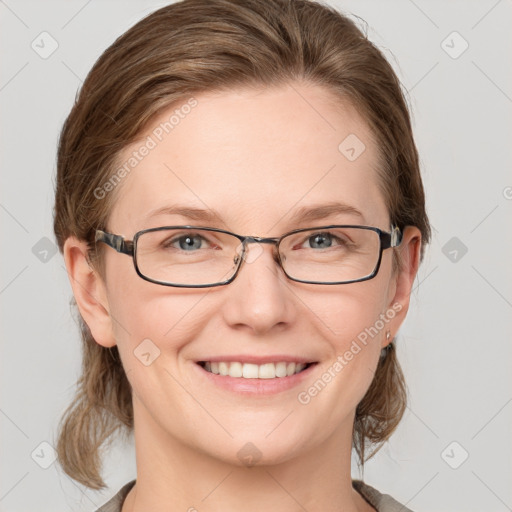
<point>255,158</point>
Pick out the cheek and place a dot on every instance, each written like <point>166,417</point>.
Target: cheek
<point>353,328</point>
<point>154,326</point>
<point>349,313</point>
<point>137,317</point>
<point>160,315</point>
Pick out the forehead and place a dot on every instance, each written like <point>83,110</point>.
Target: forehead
<point>253,156</point>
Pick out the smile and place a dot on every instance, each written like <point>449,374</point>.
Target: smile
<point>254,371</point>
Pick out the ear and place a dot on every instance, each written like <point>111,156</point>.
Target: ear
<point>89,291</point>
<point>402,283</point>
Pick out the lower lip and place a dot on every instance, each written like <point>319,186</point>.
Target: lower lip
<point>256,386</point>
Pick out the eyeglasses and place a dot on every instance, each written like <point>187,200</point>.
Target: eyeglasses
<point>199,257</point>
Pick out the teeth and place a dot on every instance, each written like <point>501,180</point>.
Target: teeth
<point>267,371</point>
<point>250,371</point>
<point>254,371</point>
<point>223,368</point>
<point>281,370</point>
<point>235,370</point>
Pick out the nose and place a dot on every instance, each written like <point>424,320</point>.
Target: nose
<point>259,299</point>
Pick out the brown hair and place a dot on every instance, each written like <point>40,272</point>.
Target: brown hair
<point>203,45</point>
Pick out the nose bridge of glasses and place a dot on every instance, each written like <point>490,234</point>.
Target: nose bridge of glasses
<point>260,240</point>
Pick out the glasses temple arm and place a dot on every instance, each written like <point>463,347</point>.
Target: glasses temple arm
<point>117,242</point>
<point>392,239</point>
<point>396,236</point>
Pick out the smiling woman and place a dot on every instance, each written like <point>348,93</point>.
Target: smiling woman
<point>261,355</point>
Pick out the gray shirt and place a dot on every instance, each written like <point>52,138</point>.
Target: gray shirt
<point>380,502</point>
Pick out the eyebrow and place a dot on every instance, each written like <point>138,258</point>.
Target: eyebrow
<point>301,215</point>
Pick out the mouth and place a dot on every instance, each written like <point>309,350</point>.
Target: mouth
<point>243,370</point>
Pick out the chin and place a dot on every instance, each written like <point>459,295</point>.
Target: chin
<point>256,447</point>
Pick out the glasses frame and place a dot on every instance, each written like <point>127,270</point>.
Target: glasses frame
<point>129,247</point>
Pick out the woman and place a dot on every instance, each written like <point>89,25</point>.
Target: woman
<point>241,213</point>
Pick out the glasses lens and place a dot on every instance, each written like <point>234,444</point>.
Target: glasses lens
<point>187,256</point>
<point>330,255</point>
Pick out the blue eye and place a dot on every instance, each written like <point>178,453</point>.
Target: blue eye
<point>325,238</point>
<point>188,242</point>
<point>319,238</point>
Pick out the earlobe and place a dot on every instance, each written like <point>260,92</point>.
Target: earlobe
<point>409,248</point>
<point>89,291</point>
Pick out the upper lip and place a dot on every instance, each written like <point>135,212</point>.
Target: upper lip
<point>259,360</point>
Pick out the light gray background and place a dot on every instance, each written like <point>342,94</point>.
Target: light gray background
<point>455,346</point>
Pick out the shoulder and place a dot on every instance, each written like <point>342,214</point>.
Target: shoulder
<point>381,502</point>
<point>115,504</point>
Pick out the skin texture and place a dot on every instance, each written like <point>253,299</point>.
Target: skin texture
<point>254,156</point>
